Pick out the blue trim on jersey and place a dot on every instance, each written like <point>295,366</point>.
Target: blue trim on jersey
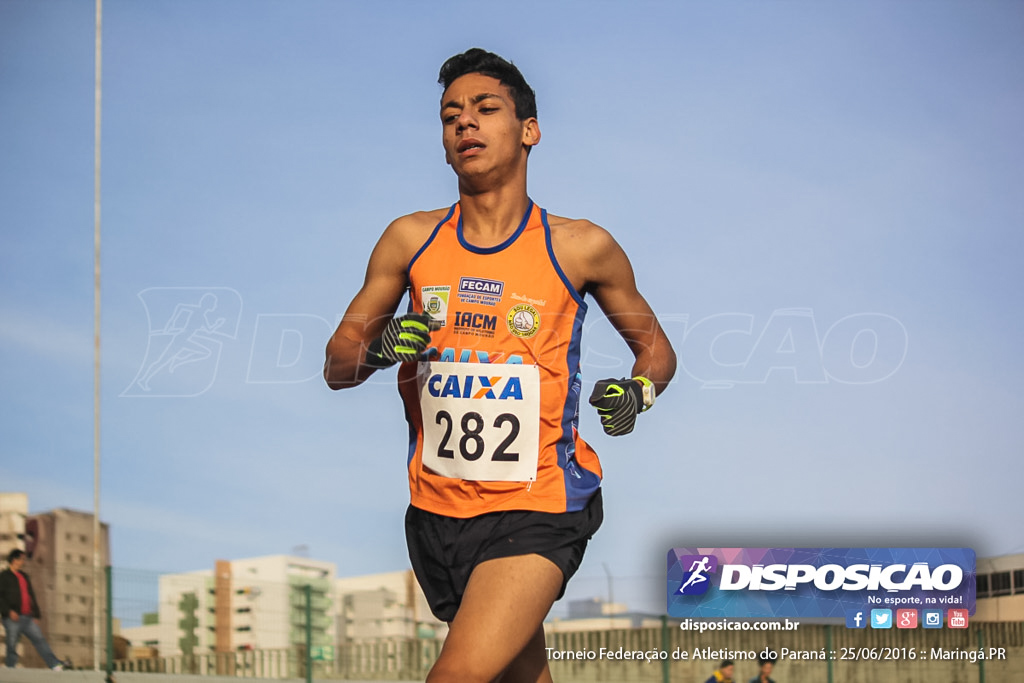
<point>437,228</point>
<point>412,435</point>
<point>580,483</point>
<point>504,245</point>
<point>409,309</point>
<point>577,297</point>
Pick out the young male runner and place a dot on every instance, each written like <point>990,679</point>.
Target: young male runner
<point>505,494</point>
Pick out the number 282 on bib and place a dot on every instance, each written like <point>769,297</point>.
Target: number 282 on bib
<point>480,420</point>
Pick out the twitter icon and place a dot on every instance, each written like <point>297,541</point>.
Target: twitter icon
<point>881,618</point>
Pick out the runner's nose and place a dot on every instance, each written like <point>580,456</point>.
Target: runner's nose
<point>465,120</point>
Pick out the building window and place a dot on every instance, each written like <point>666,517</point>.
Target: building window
<point>982,584</point>
<point>1000,583</point>
<point>1018,582</point>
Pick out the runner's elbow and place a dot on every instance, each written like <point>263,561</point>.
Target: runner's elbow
<point>337,379</point>
<point>664,368</point>
<point>338,374</point>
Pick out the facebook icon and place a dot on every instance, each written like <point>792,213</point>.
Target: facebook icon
<point>855,619</point>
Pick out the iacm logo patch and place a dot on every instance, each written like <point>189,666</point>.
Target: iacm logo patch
<point>478,324</point>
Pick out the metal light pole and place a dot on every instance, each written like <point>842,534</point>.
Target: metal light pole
<point>611,595</point>
<point>96,540</point>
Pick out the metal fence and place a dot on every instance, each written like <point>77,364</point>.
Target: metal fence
<point>666,654</point>
<point>193,624</point>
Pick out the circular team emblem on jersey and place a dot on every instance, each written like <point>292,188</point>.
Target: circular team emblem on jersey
<point>433,305</point>
<point>523,320</point>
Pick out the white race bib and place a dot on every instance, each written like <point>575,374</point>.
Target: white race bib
<point>481,421</point>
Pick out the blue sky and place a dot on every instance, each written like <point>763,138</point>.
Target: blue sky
<point>821,201</point>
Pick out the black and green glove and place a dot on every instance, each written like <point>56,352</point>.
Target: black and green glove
<point>404,339</point>
<point>619,401</point>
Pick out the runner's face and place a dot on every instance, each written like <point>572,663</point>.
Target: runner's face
<point>479,124</point>
<point>16,563</point>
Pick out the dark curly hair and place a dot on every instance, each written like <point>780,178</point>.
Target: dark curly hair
<point>478,61</point>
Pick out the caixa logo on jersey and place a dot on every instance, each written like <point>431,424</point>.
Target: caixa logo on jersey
<point>816,582</point>
<point>475,386</point>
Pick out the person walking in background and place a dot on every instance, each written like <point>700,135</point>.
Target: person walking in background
<point>723,674</point>
<point>765,674</point>
<point>21,611</point>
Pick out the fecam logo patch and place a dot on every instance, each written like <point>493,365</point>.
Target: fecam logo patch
<point>477,290</point>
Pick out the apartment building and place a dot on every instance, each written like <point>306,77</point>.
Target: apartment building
<point>250,604</point>
<point>59,546</point>
<point>389,605</point>
<point>1000,582</point>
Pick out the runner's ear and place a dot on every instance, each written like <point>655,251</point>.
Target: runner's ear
<point>531,132</point>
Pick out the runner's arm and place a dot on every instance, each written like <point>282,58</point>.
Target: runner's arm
<point>611,281</point>
<point>371,308</point>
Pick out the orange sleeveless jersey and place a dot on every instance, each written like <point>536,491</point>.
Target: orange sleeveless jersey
<point>505,304</point>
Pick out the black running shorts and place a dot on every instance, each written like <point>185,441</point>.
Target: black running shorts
<point>445,550</point>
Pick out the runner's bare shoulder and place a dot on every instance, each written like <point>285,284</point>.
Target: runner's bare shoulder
<point>406,234</point>
<point>579,245</point>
